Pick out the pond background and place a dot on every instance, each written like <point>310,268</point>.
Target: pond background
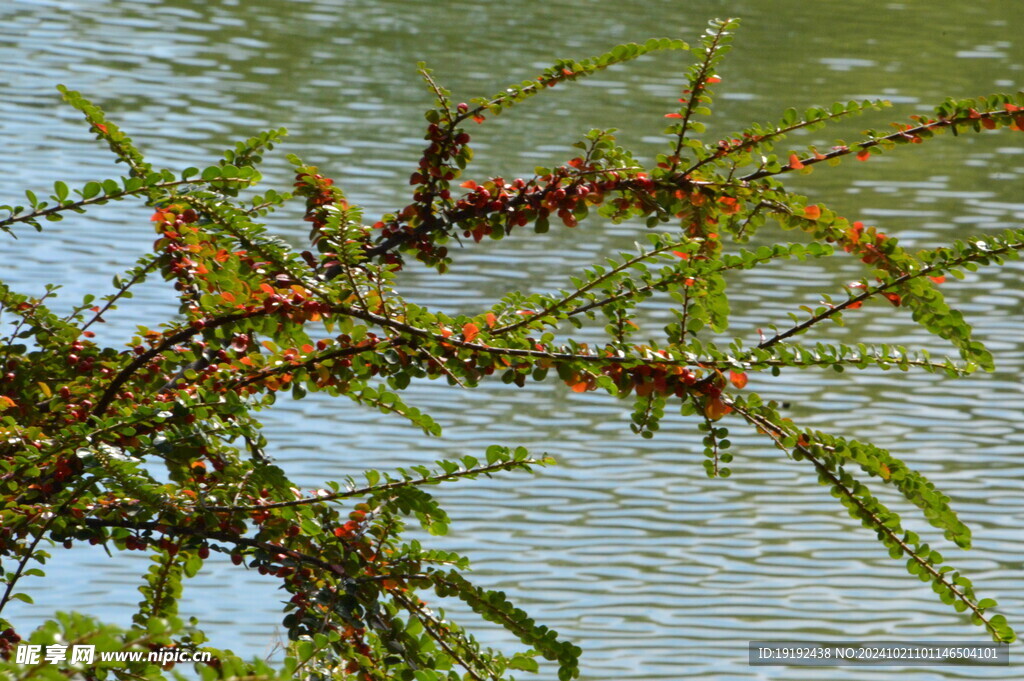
<point>626,547</point>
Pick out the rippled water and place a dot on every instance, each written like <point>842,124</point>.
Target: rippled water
<point>625,547</point>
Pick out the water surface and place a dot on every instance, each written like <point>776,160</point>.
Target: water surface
<point>626,547</point>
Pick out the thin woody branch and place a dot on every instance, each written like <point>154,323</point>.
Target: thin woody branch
<point>901,135</point>
<point>775,433</point>
<point>378,489</point>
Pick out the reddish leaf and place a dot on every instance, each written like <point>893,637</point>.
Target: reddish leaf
<point>794,162</point>
<point>470,332</point>
<point>491,320</point>
<point>715,408</point>
<point>673,115</point>
<point>730,206</point>
<point>939,279</point>
<point>812,212</point>
<point>738,379</point>
<point>863,154</point>
<point>227,296</point>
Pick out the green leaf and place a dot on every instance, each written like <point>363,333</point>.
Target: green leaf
<point>91,189</point>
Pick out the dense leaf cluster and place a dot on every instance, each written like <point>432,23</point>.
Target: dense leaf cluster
<point>83,426</point>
